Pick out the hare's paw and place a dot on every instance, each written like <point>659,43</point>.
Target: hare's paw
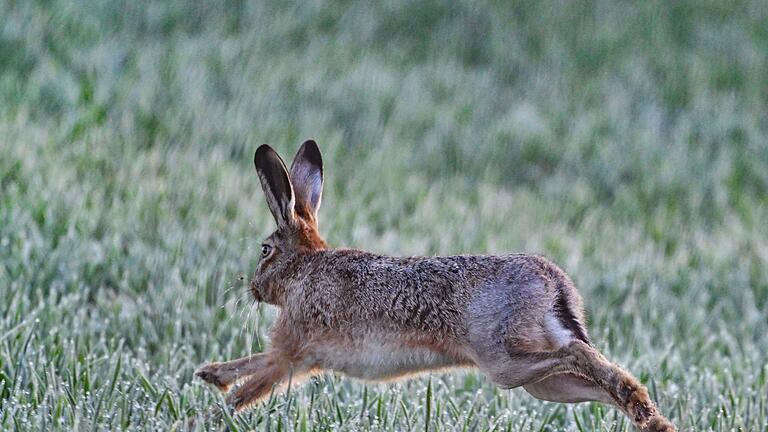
<point>636,400</point>
<point>236,402</point>
<point>659,423</point>
<point>212,374</point>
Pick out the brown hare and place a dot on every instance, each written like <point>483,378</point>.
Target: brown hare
<point>517,318</point>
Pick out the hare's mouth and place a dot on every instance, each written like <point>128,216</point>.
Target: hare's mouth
<point>255,291</point>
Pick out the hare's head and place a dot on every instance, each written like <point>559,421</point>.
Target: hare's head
<point>293,198</point>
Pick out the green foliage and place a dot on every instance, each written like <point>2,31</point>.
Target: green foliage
<point>627,141</point>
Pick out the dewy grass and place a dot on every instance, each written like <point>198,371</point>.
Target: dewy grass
<point>627,143</point>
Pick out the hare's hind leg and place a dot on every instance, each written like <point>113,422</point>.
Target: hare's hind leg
<point>512,371</point>
<point>627,392</point>
<point>541,373</point>
<point>223,375</point>
<point>568,388</point>
<point>510,364</point>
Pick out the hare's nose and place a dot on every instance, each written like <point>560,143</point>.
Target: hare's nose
<point>256,295</point>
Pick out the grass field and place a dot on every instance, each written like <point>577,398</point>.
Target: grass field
<point>627,141</point>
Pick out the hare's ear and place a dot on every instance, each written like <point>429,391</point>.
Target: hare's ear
<point>276,184</point>
<point>307,179</point>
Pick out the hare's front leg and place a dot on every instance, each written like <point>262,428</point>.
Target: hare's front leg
<point>223,375</point>
<point>276,371</point>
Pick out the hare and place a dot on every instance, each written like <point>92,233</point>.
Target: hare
<point>517,318</point>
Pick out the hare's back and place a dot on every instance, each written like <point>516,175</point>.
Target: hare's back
<point>435,294</point>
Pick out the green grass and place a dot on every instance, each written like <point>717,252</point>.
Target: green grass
<point>629,142</point>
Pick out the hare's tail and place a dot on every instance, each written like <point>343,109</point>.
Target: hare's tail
<point>568,311</point>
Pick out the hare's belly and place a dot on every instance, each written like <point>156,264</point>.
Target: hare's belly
<point>379,359</point>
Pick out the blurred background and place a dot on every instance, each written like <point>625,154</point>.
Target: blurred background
<point>626,141</point>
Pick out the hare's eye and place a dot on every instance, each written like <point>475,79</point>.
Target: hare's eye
<point>266,250</point>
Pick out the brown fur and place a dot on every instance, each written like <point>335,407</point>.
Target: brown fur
<point>518,318</point>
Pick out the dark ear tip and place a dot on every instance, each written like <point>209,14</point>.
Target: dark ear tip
<point>261,152</point>
<point>311,151</point>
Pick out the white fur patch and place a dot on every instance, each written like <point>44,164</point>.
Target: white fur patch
<point>560,335</point>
